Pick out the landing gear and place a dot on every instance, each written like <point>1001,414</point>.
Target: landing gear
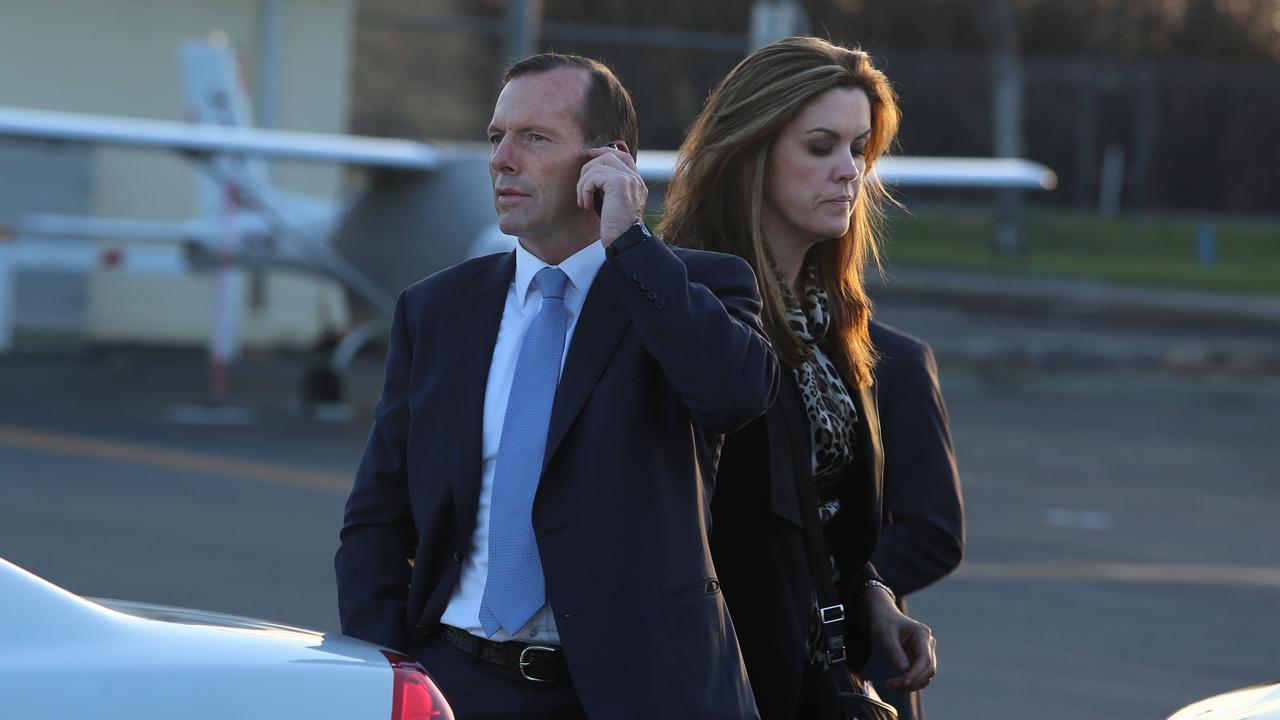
<point>323,391</point>
<point>321,386</point>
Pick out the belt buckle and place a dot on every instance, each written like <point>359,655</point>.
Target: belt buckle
<point>523,664</point>
<point>835,649</point>
<point>836,614</point>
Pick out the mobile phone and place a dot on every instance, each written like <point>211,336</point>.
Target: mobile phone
<point>600,193</point>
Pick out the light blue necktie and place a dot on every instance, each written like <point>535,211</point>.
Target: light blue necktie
<point>515,589</point>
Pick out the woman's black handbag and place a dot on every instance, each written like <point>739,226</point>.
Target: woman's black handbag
<point>843,695</point>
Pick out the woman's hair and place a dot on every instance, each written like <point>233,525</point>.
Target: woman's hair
<point>715,196</point>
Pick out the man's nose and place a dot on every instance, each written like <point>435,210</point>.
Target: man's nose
<point>502,159</point>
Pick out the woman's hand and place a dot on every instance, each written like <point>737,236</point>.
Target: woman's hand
<point>908,643</point>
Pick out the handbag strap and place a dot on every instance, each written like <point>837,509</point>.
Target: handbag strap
<point>830,611</point>
<point>852,703</point>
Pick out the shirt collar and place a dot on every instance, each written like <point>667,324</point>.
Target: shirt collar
<point>580,267</point>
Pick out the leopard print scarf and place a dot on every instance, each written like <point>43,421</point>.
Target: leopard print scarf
<point>833,416</point>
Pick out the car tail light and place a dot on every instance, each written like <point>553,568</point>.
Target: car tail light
<point>414,696</point>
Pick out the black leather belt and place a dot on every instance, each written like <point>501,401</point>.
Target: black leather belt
<point>535,663</point>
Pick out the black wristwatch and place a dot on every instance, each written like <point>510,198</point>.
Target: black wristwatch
<point>635,235</point>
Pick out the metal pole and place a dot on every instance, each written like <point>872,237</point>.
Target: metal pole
<point>524,20</point>
<point>1144,120</point>
<point>8,296</point>
<point>270,29</point>
<point>1007,76</point>
<point>1006,98</point>
<point>1086,137</point>
<point>1112,182</point>
<point>775,19</point>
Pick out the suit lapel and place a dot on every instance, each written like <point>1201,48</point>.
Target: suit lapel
<point>596,336</point>
<point>788,426</point>
<point>863,484</point>
<point>475,334</point>
<point>790,456</point>
<point>870,445</point>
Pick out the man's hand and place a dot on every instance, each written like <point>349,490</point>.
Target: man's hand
<point>613,172</point>
<point>909,644</point>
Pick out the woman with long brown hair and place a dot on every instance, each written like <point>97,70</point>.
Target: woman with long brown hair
<point>779,170</point>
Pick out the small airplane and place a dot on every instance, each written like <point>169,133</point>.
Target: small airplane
<point>425,205</point>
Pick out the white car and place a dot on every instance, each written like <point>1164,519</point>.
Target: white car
<point>64,656</point>
<point>1260,702</point>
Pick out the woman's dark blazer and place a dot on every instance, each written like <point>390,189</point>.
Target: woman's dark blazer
<point>758,542</point>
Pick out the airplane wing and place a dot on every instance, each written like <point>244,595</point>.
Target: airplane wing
<point>212,139</point>
<point>654,165</point>
<point>967,172</point>
<point>959,172</point>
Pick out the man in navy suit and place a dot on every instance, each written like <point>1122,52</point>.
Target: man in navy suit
<point>530,517</point>
<point>922,539</point>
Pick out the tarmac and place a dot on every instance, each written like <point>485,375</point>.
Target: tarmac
<point>1018,322</point>
<point>1120,502</point>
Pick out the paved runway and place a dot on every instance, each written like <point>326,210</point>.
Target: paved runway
<point>1123,541</point>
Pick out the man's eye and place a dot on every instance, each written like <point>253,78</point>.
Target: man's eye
<point>494,139</point>
<point>535,137</point>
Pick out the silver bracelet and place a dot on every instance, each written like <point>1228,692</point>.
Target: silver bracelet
<point>877,584</point>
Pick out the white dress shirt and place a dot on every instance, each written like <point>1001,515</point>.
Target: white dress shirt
<point>524,299</point>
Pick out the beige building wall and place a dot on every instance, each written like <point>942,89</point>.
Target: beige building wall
<point>121,57</point>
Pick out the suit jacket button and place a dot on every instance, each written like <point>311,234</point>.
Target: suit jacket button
<point>457,557</point>
<point>644,286</point>
<point>651,295</point>
<point>660,304</point>
<point>637,276</point>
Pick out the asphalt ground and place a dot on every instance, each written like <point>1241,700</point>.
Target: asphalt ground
<point>1010,322</point>
<point>1122,534</point>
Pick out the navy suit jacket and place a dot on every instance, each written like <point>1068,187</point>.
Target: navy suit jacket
<point>923,535</point>
<point>922,539</point>
<point>668,354</point>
